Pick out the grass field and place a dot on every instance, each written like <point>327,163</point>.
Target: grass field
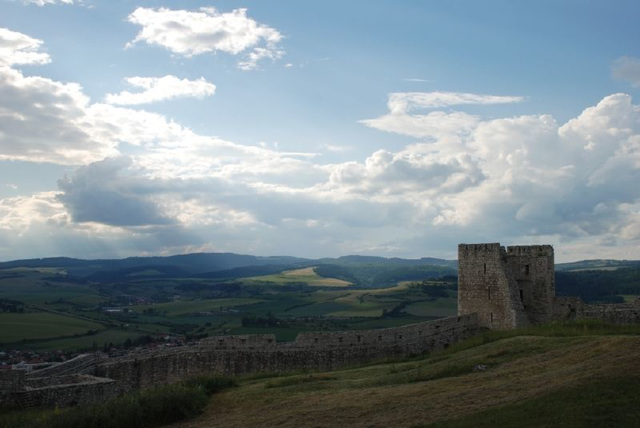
<point>439,308</point>
<point>39,325</point>
<point>532,380</point>
<point>306,275</point>
<point>107,336</point>
<point>184,307</point>
<point>199,311</point>
<point>32,286</point>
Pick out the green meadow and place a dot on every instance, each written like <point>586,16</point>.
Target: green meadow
<point>39,325</point>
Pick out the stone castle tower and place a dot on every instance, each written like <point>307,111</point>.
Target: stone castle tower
<point>507,288</point>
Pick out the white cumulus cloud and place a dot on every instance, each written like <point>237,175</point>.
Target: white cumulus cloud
<point>207,30</point>
<point>436,124</point>
<point>161,88</point>
<point>20,49</point>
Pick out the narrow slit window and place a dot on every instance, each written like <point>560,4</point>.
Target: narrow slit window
<point>485,268</point>
<point>491,316</point>
<point>521,295</point>
<point>489,293</point>
<point>526,269</point>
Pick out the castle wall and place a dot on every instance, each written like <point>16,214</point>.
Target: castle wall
<point>79,364</point>
<point>573,308</point>
<point>532,267</point>
<point>487,287</point>
<point>567,308</point>
<point>227,355</point>
<point>330,351</point>
<point>82,389</point>
<point>246,341</point>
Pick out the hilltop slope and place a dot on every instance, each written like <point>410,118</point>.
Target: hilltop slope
<point>536,377</point>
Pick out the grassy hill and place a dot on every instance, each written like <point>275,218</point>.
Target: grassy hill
<point>585,375</point>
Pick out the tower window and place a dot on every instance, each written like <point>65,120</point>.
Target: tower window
<point>489,292</point>
<point>491,314</point>
<point>521,295</point>
<point>485,268</point>
<point>526,269</point>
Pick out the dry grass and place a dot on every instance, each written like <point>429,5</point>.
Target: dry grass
<point>400,394</point>
<point>307,275</point>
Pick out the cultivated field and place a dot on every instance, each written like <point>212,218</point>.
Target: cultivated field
<point>306,275</point>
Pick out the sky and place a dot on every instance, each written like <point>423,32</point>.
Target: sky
<point>318,129</point>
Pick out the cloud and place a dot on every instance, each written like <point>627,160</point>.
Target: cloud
<point>142,183</point>
<point>513,179</point>
<point>45,2</point>
<point>627,68</point>
<point>161,88</point>
<point>189,33</point>
<point>409,172</point>
<point>20,49</point>
<point>436,124</point>
<point>404,102</point>
<point>42,120</point>
<point>100,193</point>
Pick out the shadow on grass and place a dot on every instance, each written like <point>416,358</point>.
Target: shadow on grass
<point>611,402</point>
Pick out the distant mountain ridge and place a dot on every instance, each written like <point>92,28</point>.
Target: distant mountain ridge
<point>575,278</point>
<point>195,263</point>
<point>205,264</point>
<point>596,264</point>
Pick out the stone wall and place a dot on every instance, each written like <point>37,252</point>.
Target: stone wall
<point>247,341</point>
<point>567,308</point>
<point>80,364</point>
<point>228,355</point>
<point>617,314</point>
<point>532,267</point>
<point>311,351</point>
<point>82,389</point>
<point>11,381</point>
<point>507,288</point>
<point>573,308</point>
<point>487,287</point>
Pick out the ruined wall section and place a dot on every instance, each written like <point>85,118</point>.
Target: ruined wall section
<point>83,363</point>
<point>487,287</point>
<point>567,308</point>
<point>243,341</point>
<point>311,351</point>
<point>67,391</point>
<point>573,308</point>
<point>532,266</point>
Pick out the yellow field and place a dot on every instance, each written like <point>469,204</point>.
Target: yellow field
<point>307,275</point>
